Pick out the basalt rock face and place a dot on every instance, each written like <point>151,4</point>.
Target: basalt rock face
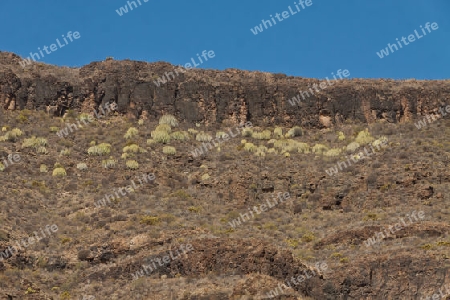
<point>212,97</point>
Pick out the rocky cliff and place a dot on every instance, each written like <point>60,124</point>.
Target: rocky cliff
<point>212,97</point>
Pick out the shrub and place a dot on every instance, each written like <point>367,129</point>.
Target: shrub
<point>192,131</point>
<point>54,129</point>
<point>382,140</point>
<point>101,149</point>
<point>220,134</point>
<point>265,135</point>
<point>5,128</point>
<point>59,172</point>
<point>179,135</point>
<point>109,163</point>
<point>141,122</point>
<point>364,137</point>
<point>353,146</point>
<point>34,142</point>
<point>294,131</point>
<point>332,152</point>
<point>168,119</point>
<point>250,147</point>
<point>149,220</point>
<point>205,177</point>
<point>160,136</point>
<point>133,148</point>
<point>131,133</point>
<point>319,148</point>
<point>82,166</point>
<point>83,117</point>
<point>286,154</point>
<point>164,127</point>
<point>272,150</point>
<point>42,150</point>
<point>169,150</point>
<point>2,167</point>
<point>341,136</point>
<point>132,164</point>
<point>127,155</point>
<point>243,142</point>
<point>278,132</point>
<point>203,137</point>
<point>65,152</point>
<point>43,168</point>
<point>151,142</point>
<point>247,132</point>
<point>302,147</point>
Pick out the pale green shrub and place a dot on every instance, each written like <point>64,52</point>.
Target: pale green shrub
<point>380,142</point>
<point>164,127</point>
<point>271,141</point>
<point>278,132</point>
<point>179,135</point>
<point>2,167</point>
<point>65,152</point>
<point>294,131</point>
<point>101,149</point>
<point>82,166</point>
<point>127,155</point>
<point>352,146</point>
<point>141,122</point>
<point>168,119</point>
<point>5,128</point>
<point>272,150</point>
<point>83,117</point>
<point>192,131</point>
<point>319,148</point>
<point>54,129</point>
<point>203,137</point>
<point>341,136</point>
<point>109,163</point>
<point>264,135</point>
<point>132,132</point>
<point>364,137</point>
<point>41,150</point>
<point>34,142</point>
<point>133,148</point>
<point>332,152</point>
<point>303,148</point>
<point>151,142</point>
<point>43,168</point>
<point>160,136</point>
<point>221,134</point>
<point>132,164</point>
<point>169,150</point>
<point>250,147</point>
<point>59,172</point>
<point>205,177</point>
<point>243,142</point>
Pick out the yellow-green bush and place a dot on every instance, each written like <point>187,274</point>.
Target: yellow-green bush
<point>65,152</point>
<point>43,168</point>
<point>41,150</point>
<point>54,129</point>
<point>132,164</point>
<point>221,134</point>
<point>169,150</point>
<point>294,131</point>
<point>278,132</point>
<point>84,117</point>
<point>341,136</point>
<point>133,148</point>
<point>364,137</point>
<point>59,172</point>
<point>168,119</point>
<point>179,135</point>
<point>160,136</point>
<point>109,163</point>
<point>250,147</point>
<point>164,127</point>
<point>264,135</point>
<point>132,132</point>
<point>203,137</point>
<point>101,149</point>
<point>34,142</point>
<point>332,152</point>
<point>319,148</point>
<point>352,146</point>
<point>2,167</point>
<point>149,220</point>
<point>192,131</point>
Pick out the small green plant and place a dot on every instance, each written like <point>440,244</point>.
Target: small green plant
<point>308,237</point>
<point>43,168</point>
<point>364,137</point>
<point>294,131</point>
<point>54,129</point>
<point>65,152</point>
<point>352,146</point>
<point>83,117</point>
<point>65,296</point>
<point>109,163</point>
<point>264,135</point>
<point>60,172</point>
<point>341,136</point>
<point>179,135</point>
<point>221,134</point>
<point>195,209</point>
<point>133,148</point>
<point>30,290</point>
<point>34,142</point>
<point>132,164</point>
<point>371,216</point>
<point>101,149</point>
<point>141,122</point>
<point>149,220</point>
<point>164,127</point>
<point>319,148</point>
<point>2,167</point>
<point>169,150</point>
<point>278,132</point>
<point>203,137</point>
<point>247,132</point>
<point>160,137</point>
<point>132,132</point>
<point>42,150</point>
<point>168,119</point>
<point>332,152</point>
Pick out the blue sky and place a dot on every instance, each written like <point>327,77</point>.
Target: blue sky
<point>320,39</point>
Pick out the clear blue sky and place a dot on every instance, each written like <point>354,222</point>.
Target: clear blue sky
<point>320,39</point>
